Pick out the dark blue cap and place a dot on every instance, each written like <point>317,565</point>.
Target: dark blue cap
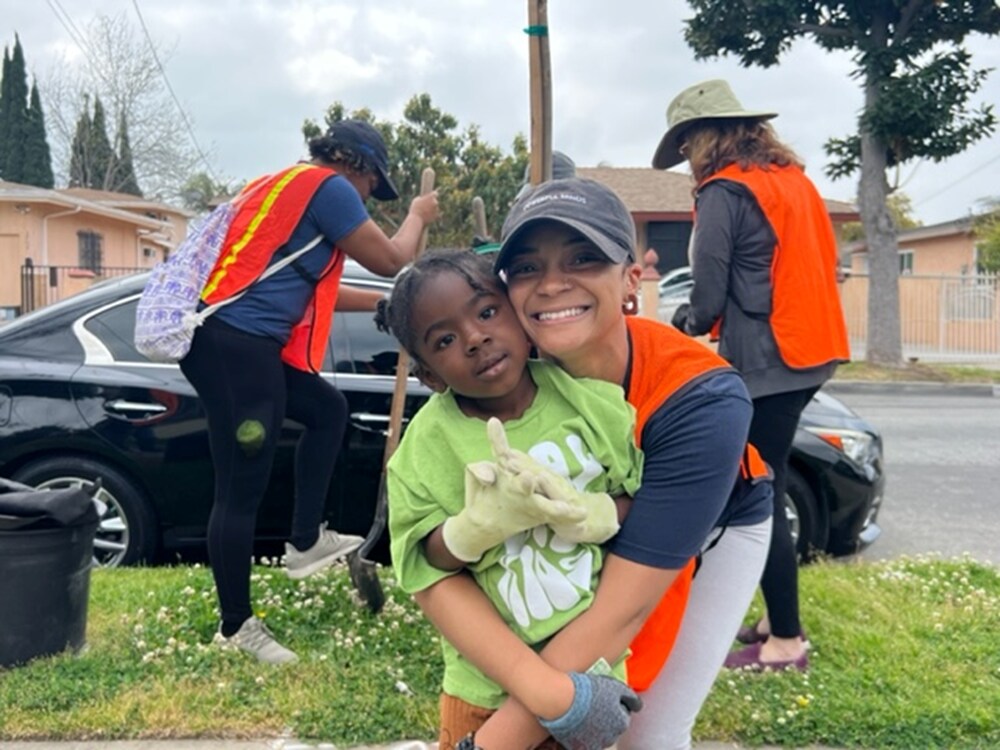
<point>363,139</point>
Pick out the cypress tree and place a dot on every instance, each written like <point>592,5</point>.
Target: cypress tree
<point>38,158</point>
<point>79,160</point>
<point>4,108</point>
<point>125,180</point>
<point>100,155</point>
<point>14,122</point>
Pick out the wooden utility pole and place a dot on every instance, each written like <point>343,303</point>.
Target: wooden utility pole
<point>540,70</point>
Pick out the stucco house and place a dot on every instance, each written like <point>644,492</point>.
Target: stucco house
<point>948,248</point>
<point>72,237</point>
<point>661,203</point>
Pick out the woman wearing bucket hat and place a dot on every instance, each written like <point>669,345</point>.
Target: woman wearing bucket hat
<point>764,264</point>
<point>568,256</point>
<point>256,359</point>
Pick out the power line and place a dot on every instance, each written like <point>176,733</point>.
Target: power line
<point>79,39</point>
<point>180,108</point>
<point>952,184</point>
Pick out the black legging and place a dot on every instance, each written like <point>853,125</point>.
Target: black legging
<point>772,429</point>
<point>246,391</point>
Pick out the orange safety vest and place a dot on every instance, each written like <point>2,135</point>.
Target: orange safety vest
<point>271,207</point>
<point>666,362</point>
<point>806,316</point>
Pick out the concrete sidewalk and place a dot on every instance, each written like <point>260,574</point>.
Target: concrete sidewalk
<point>282,744</point>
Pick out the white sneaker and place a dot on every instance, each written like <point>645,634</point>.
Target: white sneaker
<point>329,548</point>
<point>255,638</point>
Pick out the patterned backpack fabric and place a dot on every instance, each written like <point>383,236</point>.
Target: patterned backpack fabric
<point>167,314</point>
<point>168,308</point>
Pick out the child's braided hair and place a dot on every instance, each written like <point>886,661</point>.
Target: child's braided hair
<point>395,314</point>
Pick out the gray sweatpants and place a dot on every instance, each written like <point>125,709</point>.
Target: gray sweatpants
<point>720,595</point>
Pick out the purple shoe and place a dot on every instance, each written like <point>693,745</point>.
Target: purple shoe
<point>749,658</point>
<point>749,634</point>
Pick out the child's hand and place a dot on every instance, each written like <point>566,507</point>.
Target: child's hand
<point>600,521</point>
<point>498,504</point>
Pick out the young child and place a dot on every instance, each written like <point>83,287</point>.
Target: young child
<point>451,507</point>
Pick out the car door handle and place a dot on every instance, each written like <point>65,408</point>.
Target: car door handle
<point>131,408</point>
<point>377,423</point>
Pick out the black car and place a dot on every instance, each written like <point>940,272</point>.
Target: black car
<point>77,402</point>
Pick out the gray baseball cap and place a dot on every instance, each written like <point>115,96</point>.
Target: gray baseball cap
<point>586,206</point>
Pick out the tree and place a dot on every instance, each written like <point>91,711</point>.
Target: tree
<point>123,71</point>
<point>900,209</point>
<point>201,193</point>
<point>14,125</point>
<point>100,156</point>
<point>917,81</point>
<point>987,226</point>
<point>79,163</point>
<point>125,170</point>
<point>38,159</point>
<point>464,166</point>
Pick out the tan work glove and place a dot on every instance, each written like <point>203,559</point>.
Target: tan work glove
<point>500,501</point>
<point>601,520</point>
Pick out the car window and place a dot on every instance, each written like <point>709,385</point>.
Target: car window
<point>115,327</point>
<point>364,349</point>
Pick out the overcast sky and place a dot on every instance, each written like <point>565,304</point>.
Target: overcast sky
<point>249,72</point>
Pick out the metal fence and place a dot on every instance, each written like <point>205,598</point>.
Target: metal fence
<point>43,285</point>
<point>942,318</point>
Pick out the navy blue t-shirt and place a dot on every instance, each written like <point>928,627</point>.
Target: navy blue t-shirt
<point>272,307</point>
<point>692,446</point>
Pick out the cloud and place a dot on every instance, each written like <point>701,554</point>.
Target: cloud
<point>250,72</point>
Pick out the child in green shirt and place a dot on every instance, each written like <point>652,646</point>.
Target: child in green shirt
<point>536,561</point>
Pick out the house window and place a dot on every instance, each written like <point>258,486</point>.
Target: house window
<point>905,262</point>
<point>90,254</point>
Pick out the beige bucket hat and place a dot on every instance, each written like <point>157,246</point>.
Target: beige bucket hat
<point>708,100</point>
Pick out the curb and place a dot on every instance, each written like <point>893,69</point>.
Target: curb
<point>918,388</point>
<point>278,744</point>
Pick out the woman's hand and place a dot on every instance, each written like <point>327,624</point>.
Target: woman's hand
<point>426,208</point>
<point>600,713</point>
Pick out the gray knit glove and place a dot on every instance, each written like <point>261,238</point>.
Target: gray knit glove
<point>600,713</point>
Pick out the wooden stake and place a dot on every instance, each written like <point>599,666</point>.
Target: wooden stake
<point>541,91</point>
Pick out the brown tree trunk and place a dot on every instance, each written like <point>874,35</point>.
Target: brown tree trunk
<point>883,344</point>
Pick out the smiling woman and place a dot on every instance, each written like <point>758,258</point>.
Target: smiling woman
<point>533,517</point>
<point>568,258</point>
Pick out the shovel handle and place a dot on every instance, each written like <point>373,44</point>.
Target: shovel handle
<point>479,217</point>
<point>403,363</point>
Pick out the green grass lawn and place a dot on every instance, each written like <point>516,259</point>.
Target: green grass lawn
<point>905,655</point>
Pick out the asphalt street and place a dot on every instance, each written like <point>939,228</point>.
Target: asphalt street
<point>942,456</point>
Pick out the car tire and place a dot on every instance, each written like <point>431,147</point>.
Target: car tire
<point>127,529</point>
<point>803,513</point>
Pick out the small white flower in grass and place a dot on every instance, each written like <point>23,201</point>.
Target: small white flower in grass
<point>140,645</point>
<point>782,720</point>
<point>188,591</point>
<point>259,680</point>
<point>322,657</point>
<point>403,688</point>
<point>220,686</point>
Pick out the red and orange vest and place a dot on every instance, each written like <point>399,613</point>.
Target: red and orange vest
<point>271,207</point>
<point>806,316</point>
<point>665,362</point>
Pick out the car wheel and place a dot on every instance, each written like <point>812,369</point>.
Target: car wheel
<point>802,511</point>
<point>127,529</point>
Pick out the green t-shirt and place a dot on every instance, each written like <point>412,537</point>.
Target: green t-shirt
<point>580,428</point>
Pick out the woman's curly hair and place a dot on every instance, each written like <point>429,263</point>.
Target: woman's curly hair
<point>329,149</point>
